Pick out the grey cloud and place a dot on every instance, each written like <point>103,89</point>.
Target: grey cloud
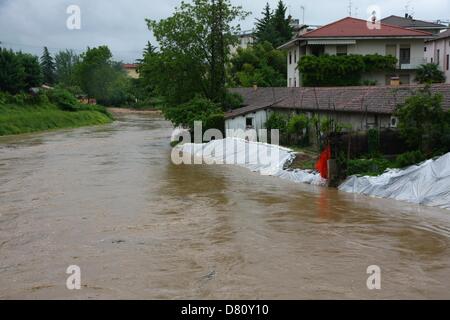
<point>120,24</point>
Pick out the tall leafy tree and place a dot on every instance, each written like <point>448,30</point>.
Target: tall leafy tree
<point>65,62</point>
<point>194,46</point>
<point>260,64</point>
<point>12,73</point>
<point>32,70</point>
<point>48,67</point>
<point>98,73</point>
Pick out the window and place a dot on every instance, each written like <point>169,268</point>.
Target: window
<point>425,49</point>
<point>318,50</point>
<point>448,61</point>
<point>341,50</point>
<point>249,123</point>
<point>295,56</point>
<point>391,50</point>
<point>394,122</point>
<point>295,82</point>
<point>438,58</point>
<point>290,57</point>
<point>405,55</point>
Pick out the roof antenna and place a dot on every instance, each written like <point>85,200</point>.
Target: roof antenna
<point>303,14</point>
<point>350,4</point>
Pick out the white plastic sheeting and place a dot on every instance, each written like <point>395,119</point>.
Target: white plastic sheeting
<point>259,157</point>
<point>427,184</point>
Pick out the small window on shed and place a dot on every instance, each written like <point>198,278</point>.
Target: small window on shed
<point>249,123</point>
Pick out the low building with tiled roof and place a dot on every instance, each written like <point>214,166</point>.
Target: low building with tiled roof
<point>410,23</point>
<point>437,51</point>
<point>361,37</point>
<point>131,70</point>
<point>361,107</point>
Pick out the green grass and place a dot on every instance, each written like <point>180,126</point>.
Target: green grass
<point>15,119</point>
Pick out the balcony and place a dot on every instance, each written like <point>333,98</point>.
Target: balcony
<point>412,64</point>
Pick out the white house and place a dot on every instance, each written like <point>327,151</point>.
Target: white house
<point>360,107</point>
<point>356,36</point>
<point>437,51</point>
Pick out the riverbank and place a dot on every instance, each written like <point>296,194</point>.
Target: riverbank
<point>17,119</point>
<point>121,111</point>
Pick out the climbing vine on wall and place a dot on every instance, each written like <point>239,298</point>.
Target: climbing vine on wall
<point>346,70</point>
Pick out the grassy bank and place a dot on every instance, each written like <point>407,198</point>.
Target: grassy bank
<point>16,119</point>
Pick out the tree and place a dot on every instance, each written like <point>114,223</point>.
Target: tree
<point>18,71</point>
<point>260,64</point>
<point>97,72</point>
<point>12,73</point>
<point>424,124</point>
<point>48,67</point>
<point>194,47</point>
<point>264,27</point>
<point>65,63</point>
<point>33,73</point>
<point>197,109</point>
<point>430,73</point>
<point>282,25</point>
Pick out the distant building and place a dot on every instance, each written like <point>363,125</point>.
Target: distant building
<point>409,22</point>
<point>245,39</point>
<point>248,38</point>
<point>437,51</point>
<point>353,36</point>
<point>360,107</point>
<point>131,70</point>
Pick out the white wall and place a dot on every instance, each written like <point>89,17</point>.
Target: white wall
<point>293,76</point>
<point>364,47</point>
<point>431,55</point>
<point>357,121</point>
<point>239,123</point>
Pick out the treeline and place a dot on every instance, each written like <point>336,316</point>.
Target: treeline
<point>93,73</point>
<point>193,65</point>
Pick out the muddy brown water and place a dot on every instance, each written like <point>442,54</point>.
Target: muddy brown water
<point>109,200</point>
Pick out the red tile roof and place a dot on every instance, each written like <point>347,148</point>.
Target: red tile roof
<point>352,27</point>
<point>129,66</point>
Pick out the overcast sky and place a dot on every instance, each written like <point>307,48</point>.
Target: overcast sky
<point>30,24</point>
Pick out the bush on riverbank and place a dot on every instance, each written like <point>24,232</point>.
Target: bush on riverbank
<point>45,111</point>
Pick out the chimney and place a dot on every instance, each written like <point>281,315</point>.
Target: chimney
<point>395,81</point>
<point>406,16</point>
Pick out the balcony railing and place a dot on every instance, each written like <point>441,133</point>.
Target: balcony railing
<point>412,64</point>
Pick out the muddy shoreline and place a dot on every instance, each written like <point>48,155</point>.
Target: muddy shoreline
<point>125,111</point>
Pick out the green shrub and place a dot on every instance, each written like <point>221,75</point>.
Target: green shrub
<point>232,101</point>
<point>368,167</point>
<point>410,158</point>
<point>63,99</point>
<point>215,121</point>
<point>297,124</point>
<point>430,73</point>
<point>197,109</point>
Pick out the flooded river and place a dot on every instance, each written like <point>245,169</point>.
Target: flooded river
<point>109,200</point>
